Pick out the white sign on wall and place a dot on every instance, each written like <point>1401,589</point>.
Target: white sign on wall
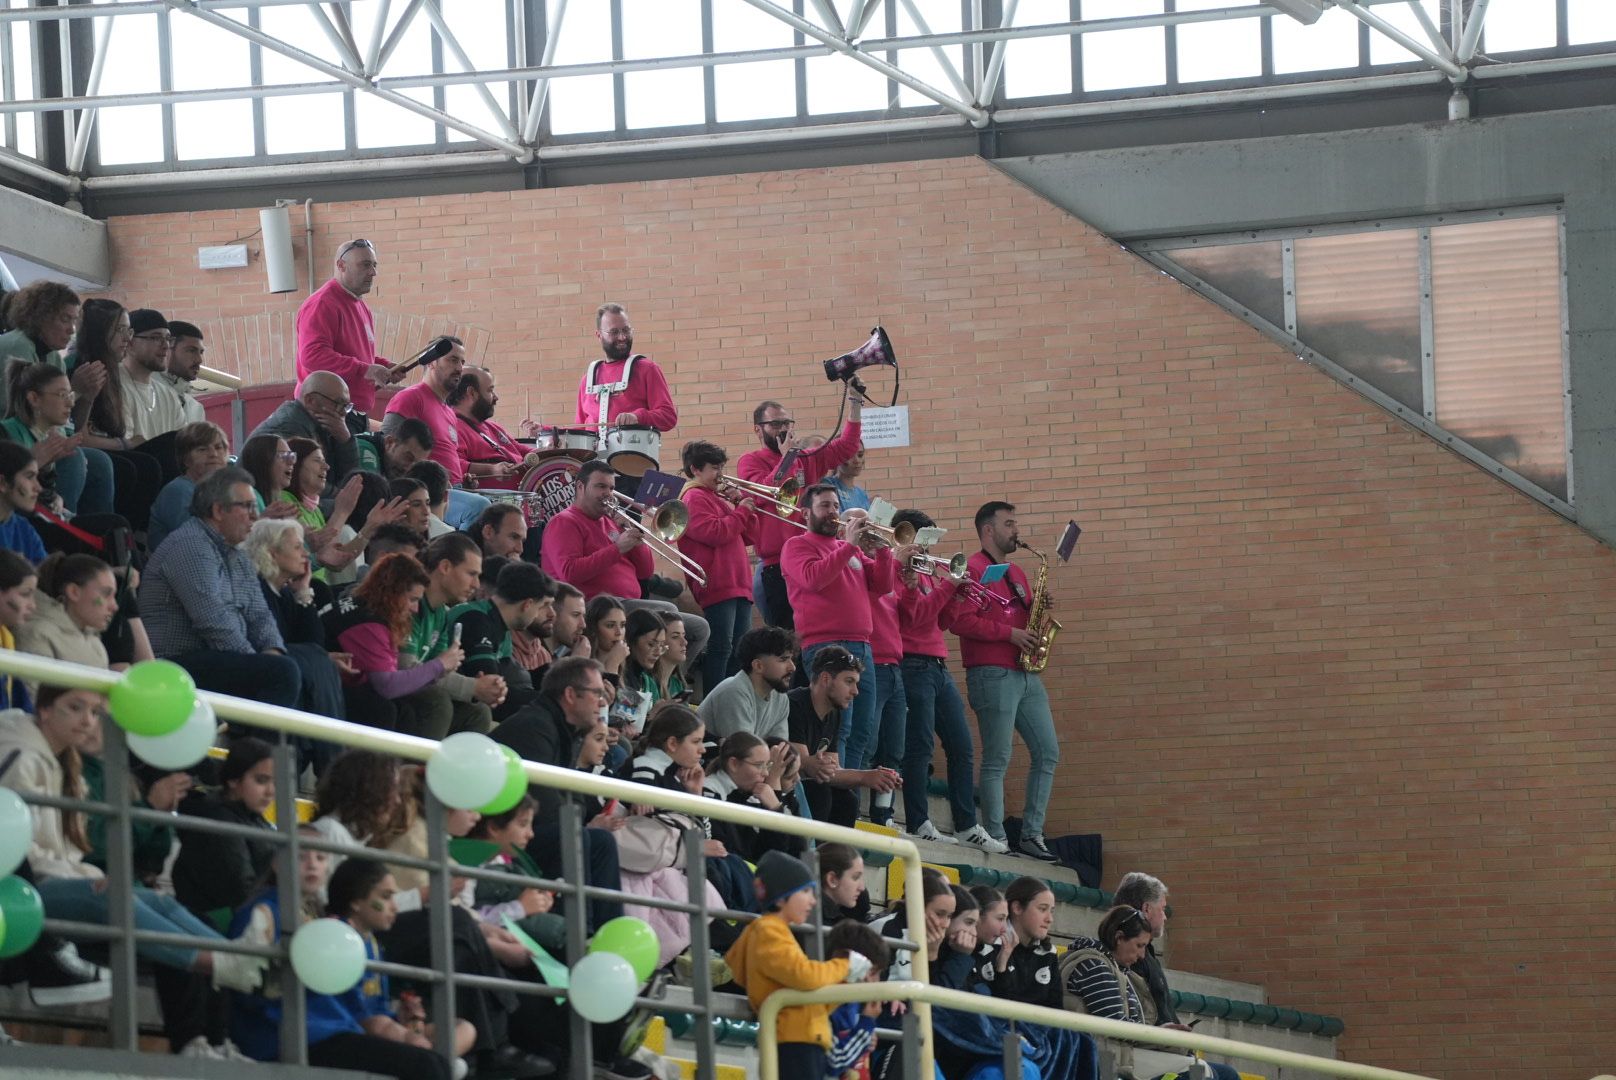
<point>886,427</point>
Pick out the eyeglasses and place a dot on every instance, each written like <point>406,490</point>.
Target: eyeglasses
<point>240,504</point>
<point>68,395</point>
<point>622,331</point>
<point>345,406</point>
<point>350,245</point>
<point>156,335</point>
<point>287,456</point>
<point>779,424</point>
<point>602,692</point>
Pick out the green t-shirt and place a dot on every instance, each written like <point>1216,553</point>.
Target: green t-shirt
<point>483,635</point>
<point>429,632</point>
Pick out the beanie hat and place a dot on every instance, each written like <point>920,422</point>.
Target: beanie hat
<point>145,320</point>
<point>778,876</point>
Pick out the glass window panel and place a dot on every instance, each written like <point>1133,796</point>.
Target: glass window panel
<point>27,136</point>
<point>752,91</point>
<point>664,98</point>
<point>1514,25</point>
<point>660,27</point>
<point>1038,67</point>
<point>129,134</point>
<point>479,26</point>
<point>296,27</point>
<point>1249,274</point>
<point>213,129</point>
<point>379,123</point>
<point>132,63</point>
<point>943,17</point>
<point>1116,59</point>
<point>22,82</point>
<point>1590,20</point>
<point>585,103</point>
<point>1228,49</point>
<point>1358,303</point>
<point>839,84</point>
<point>304,123</point>
<point>1382,49</point>
<point>1500,382</point>
<point>206,56</point>
<point>1332,42</point>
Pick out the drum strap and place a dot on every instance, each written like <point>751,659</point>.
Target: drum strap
<point>603,391</point>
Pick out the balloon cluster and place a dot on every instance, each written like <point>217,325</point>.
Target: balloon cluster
<point>21,913</point>
<point>472,772</point>
<point>168,726</point>
<point>622,955</point>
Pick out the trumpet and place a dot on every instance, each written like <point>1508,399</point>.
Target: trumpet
<point>893,536</point>
<point>954,567</point>
<point>668,524</point>
<point>783,499</point>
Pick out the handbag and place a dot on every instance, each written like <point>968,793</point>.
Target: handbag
<point>650,842</point>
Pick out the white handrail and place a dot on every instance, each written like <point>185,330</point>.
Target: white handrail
<point>921,993</point>
<point>295,722</point>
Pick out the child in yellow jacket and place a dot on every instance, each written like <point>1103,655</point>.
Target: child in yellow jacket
<point>767,958</point>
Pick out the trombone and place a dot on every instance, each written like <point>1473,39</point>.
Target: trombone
<point>668,524</point>
<point>783,498</point>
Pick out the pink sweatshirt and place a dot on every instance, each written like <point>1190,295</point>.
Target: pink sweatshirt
<point>581,551</point>
<point>831,586</point>
<point>647,396</point>
<point>337,333</point>
<point>886,642</point>
<point>985,635</point>
<point>716,540</point>
<point>420,403</point>
<point>923,615</point>
<point>760,465</point>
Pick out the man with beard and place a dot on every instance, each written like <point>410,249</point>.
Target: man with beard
<point>754,698</point>
<point>184,364</point>
<point>487,451</point>
<point>427,401</point>
<point>777,432</point>
<point>635,390</point>
<point>816,712</point>
<point>558,632</point>
<point>151,408</point>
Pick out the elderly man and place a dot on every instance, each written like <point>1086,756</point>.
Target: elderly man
<point>487,451</point>
<point>319,412</point>
<point>584,547</point>
<point>336,331</point>
<point>202,605</point>
<point>427,401</point>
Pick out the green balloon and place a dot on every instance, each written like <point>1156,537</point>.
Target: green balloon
<point>22,916</point>
<point>515,786</point>
<point>633,940</point>
<point>154,698</point>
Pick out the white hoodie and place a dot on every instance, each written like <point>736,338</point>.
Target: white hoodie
<point>36,771</point>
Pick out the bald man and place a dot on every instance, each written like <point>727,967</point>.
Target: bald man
<point>336,331</point>
<point>319,413</point>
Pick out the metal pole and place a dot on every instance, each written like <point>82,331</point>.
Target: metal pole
<point>440,927</point>
<point>378,34</point>
<point>98,63</point>
<point>541,88</point>
<point>1370,19</point>
<point>1432,31</point>
<point>397,35</point>
<point>573,866</point>
<point>858,17</point>
<point>1472,32</point>
<point>937,51</point>
<point>339,15</point>
<point>435,15</point>
<point>289,891</point>
<point>828,15</point>
<point>124,1020</point>
<point>64,47</point>
<point>350,59</point>
<point>990,79</point>
<point>700,953</point>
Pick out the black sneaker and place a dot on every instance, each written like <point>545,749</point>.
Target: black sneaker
<point>511,1063</point>
<point>1035,847</point>
<point>623,1068</point>
<point>65,978</point>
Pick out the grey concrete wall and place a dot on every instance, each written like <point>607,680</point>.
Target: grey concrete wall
<point>1564,157</point>
<point>44,233</point>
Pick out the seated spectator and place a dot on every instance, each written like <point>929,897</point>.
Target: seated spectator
<point>455,702</point>
<point>852,1025</point>
<point>319,412</point>
<point>215,874</point>
<point>550,730</point>
<point>48,763</point>
<point>270,461</point>
<point>370,624</point>
<point>523,594</point>
<point>43,316</point>
<point>842,892</point>
<point>322,535</point>
<point>501,530</point>
<point>749,773</point>
<point>538,645</point>
<point>604,624</point>
<point>426,402</point>
<point>19,601</point>
<point>104,338</point>
<point>19,494</point>
<point>392,454</point>
<point>668,673</point>
<point>373,511</point>
<point>184,365</point>
<point>754,698</point>
<point>203,605</point>
<point>201,448</point>
<point>645,639</point>
<point>954,958</point>
<point>41,412</point>
<point>529,906</point>
<point>77,599</point>
<point>152,843</point>
<point>417,504</point>
<point>153,410</point>
<point>937,897</point>
<point>815,723</point>
<point>295,599</point>
<point>768,958</point>
<point>390,539</point>
<point>436,481</point>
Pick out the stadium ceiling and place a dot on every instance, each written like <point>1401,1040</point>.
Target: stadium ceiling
<point>940,74</point>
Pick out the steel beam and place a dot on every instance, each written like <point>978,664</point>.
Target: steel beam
<point>339,16</point>
<point>434,15</point>
<point>128,7</point>
<point>938,51</point>
<point>98,63</point>
<point>859,17</point>
<point>396,36</point>
<point>827,15</point>
<point>976,116</point>
<point>541,88</point>
<point>378,34</point>
<point>1472,32</point>
<point>350,57</point>
<point>1370,19</point>
<point>1439,44</point>
<point>989,84</point>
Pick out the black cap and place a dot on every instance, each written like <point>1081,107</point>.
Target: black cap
<point>144,320</point>
<point>778,876</point>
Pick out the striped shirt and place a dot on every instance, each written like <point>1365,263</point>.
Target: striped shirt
<point>1096,978</point>
<point>201,593</point>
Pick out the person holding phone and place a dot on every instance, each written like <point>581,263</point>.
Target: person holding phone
<point>815,721</point>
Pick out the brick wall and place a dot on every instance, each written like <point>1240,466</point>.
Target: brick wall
<point>1344,692</point>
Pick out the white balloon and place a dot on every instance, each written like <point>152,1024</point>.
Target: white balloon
<point>602,987</point>
<point>467,771</point>
<point>182,748</point>
<point>16,830</point>
<point>328,956</point>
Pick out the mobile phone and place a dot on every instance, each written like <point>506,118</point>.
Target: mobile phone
<point>456,633</point>
<point>1192,1023</point>
<point>824,744</point>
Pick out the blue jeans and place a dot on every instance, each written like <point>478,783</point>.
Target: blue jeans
<point>856,740</point>
<point>727,620</point>
<point>76,900</point>
<point>936,712</point>
<point>464,506</point>
<point>1007,701</point>
<point>758,600</point>
<point>84,481</point>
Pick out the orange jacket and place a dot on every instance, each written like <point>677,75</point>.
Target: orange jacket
<point>767,958</point>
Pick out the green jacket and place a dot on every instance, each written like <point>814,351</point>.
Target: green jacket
<point>152,842</point>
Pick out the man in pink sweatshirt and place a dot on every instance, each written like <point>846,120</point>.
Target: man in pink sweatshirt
<point>645,400</point>
<point>336,331</point>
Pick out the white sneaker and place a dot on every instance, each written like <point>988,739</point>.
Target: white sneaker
<point>928,831</point>
<point>229,1051</point>
<point>978,837</point>
<point>459,1068</point>
<point>200,1048</point>
<point>233,971</point>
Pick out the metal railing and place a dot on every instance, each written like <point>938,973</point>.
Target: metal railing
<point>922,994</point>
<point>122,936</point>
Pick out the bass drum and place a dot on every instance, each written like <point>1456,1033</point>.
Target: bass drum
<point>548,488</point>
<point>632,451</point>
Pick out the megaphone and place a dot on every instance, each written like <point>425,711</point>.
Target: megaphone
<point>878,350</point>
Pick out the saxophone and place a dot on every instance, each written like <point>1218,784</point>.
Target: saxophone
<point>1039,620</point>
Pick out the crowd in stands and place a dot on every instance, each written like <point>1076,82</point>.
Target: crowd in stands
<point>348,569</point>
